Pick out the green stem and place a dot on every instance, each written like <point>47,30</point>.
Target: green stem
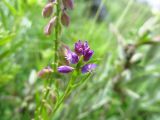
<point>40,107</point>
<point>70,86</point>
<point>81,82</point>
<point>57,30</point>
<point>49,81</point>
<point>66,93</point>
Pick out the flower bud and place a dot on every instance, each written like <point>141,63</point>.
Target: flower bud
<point>51,1</point>
<point>53,97</point>
<point>65,19</point>
<point>136,58</point>
<point>45,71</point>
<point>47,10</point>
<point>78,47</point>
<point>68,4</point>
<point>87,54</point>
<point>85,46</point>
<point>65,69</point>
<point>48,29</point>
<point>88,68</point>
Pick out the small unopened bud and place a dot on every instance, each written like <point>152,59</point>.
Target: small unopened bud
<point>65,19</point>
<point>45,71</point>
<point>156,39</point>
<point>65,69</point>
<point>51,0</point>
<point>68,4</point>
<point>44,101</point>
<point>136,58</point>
<point>53,97</point>
<point>87,54</point>
<point>47,10</point>
<point>48,29</point>
<point>48,107</point>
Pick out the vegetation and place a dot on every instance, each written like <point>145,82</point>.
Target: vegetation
<point>124,85</point>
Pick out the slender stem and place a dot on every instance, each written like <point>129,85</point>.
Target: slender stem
<point>66,93</point>
<point>70,86</point>
<point>40,107</point>
<point>96,16</point>
<point>42,104</point>
<point>82,81</point>
<point>124,13</point>
<point>49,81</point>
<point>57,30</point>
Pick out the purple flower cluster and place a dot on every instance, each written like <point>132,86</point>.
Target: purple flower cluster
<point>82,50</point>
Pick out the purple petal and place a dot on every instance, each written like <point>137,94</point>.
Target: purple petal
<point>79,47</point>
<point>87,54</point>
<point>75,58</point>
<point>85,46</point>
<point>88,68</point>
<point>65,69</point>
<point>71,56</point>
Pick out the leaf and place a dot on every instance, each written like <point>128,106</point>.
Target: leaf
<point>6,39</point>
<point>10,7</point>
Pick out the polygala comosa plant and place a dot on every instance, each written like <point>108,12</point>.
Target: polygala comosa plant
<point>78,68</point>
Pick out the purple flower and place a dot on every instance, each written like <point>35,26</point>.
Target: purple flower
<point>65,69</point>
<point>81,48</point>
<point>78,47</point>
<point>88,68</point>
<point>48,29</point>
<point>45,71</point>
<point>47,10</point>
<point>71,56</point>
<point>87,54</point>
<point>65,19</point>
<point>85,46</point>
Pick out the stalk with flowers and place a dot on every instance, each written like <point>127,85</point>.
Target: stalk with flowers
<point>77,63</point>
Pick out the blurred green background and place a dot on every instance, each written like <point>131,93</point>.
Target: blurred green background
<point>126,84</point>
